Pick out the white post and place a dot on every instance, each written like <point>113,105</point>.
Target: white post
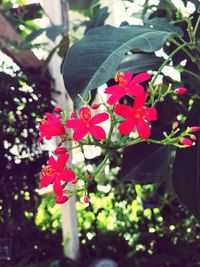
<point>54,10</point>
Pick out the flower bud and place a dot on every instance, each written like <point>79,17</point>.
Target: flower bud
<point>74,181</point>
<point>195,128</point>
<point>57,110</point>
<point>186,141</point>
<point>148,92</point>
<point>180,91</point>
<point>193,137</point>
<point>175,124</point>
<point>95,106</point>
<point>72,116</point>
<point>89,177</point>
<point>86,199</point>
<point>63,139</point>
<point>60,150</point>
<point>61,199</point>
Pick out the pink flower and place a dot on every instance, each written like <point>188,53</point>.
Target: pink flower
<point>87,124</point>
<point>51,127</point>
<point>186,141</point>
<point>55,172</point>
<point>180,91</point>
<point>127,86</point>
<point>136,117</point>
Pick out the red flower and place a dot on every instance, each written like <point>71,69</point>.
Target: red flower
<point>51,127</point>
<point>126,86</point>
<point>136,116</point>
<point>86,124</point>
<point>55,172</point>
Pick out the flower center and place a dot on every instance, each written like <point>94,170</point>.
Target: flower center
<point>47,171</point>
<point>139,114</point>
<point>43,122</point>
<point>119,77</point>
<point>85,115</point>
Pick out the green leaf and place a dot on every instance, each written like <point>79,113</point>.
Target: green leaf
<point>139,62</point>
<point>143,167</point>
<point>186,170</point>
<point>94,60</point>
<point>34,35</point>
<point>51,32</point>
<point>98,19</point>
<point>79,4</point>
<point>163,24</point>
<point>198,9</point>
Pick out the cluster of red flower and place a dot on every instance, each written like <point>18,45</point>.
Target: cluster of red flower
<point>137,117</point>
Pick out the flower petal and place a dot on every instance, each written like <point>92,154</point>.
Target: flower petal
<point>46,180</point>
<point>67,175</point>
<point>60,150</point>
<point>79,133</point>
<point>135,90</point>
<point>117,93</point>
<point>40,139</point>
<point>124,111</point>
<point>127,126</point>
<point>52,162</point>
<point>57,187</point>
<point>114,89</point>
<point>61,161</point>
<point>115,98</point>
<point>98,118</point>
<point>75,123</point>
<point>139,101</point>
<point>128,76</point>
<point>150,114</point>
<point>139,78</point>
<point>98,132</point>
<point>144,129</point>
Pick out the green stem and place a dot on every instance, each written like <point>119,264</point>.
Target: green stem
<point>193,74</point>
<point>101,165</point>
<point>185,50</point>
<point>112,125</point>
<point>166,62</point>
<point>134,142</point>
<point>196,28</point>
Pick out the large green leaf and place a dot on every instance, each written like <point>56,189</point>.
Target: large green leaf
<point>94,60</point>
<point>186,170</point>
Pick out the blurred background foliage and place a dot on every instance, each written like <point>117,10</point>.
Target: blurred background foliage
<point>131,222</point>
